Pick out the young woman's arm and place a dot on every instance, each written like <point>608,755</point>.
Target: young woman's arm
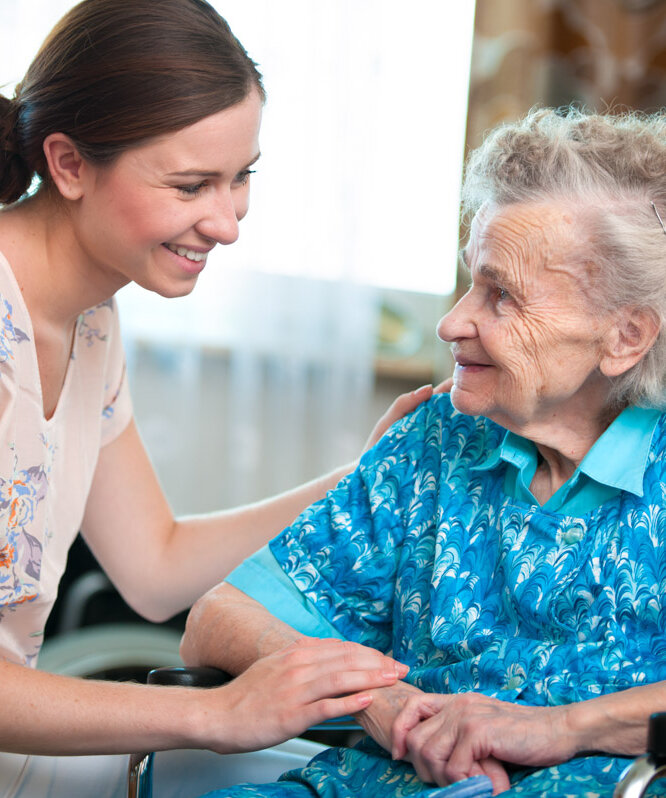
<point>161,565</point>
<point>282,695</point>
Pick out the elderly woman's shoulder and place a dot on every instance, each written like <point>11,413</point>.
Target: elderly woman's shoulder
<point>438,417</point>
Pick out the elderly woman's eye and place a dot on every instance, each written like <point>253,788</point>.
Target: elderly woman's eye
<point>501,294</point>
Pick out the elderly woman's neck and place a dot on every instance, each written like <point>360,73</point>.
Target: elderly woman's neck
<point>561,450</point>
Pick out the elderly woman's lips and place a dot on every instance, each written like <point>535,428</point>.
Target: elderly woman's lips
<point>471,367</point>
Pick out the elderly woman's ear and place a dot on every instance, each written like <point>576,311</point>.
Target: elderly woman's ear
<point>630,338</point>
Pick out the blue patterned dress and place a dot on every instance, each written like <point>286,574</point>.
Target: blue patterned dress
<point>421,552</point>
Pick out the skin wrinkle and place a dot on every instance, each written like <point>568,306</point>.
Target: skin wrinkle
<point>542,346</point>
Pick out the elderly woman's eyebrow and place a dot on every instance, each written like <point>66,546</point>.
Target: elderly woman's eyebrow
<point>498,277</point>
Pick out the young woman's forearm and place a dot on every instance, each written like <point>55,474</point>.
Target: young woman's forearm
<point>48,714</point>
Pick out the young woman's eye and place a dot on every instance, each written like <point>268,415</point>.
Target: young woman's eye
<point>192,190</point>
<point>244,176</point>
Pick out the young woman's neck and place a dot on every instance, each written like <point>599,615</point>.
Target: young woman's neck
<point>38,238</point>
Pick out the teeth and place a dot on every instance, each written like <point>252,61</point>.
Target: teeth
<point>190,254</point>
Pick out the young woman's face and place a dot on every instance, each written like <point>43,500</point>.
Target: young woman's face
<point>155,213</point>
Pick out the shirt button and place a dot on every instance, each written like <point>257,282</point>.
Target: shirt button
<point>573,535</point>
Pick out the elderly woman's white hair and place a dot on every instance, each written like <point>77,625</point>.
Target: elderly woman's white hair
<point>611,168</point>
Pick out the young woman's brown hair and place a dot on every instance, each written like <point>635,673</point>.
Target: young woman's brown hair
<point>116,72</point>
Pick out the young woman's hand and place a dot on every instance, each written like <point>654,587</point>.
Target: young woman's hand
<point>452,737</point>
<point>404,404</point>
<point>283,694</point>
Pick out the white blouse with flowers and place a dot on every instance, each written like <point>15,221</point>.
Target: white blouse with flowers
<point>47,465</point>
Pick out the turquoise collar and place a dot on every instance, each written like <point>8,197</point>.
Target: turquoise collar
<point>616,462</point>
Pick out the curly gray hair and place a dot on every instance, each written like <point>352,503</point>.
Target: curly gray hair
<point>613,167</point>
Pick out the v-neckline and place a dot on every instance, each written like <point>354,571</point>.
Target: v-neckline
<point>30,332</point>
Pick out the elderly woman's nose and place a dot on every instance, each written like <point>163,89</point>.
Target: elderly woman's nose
<point>457,323</point>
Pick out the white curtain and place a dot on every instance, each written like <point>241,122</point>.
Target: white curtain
<point>263,376</point>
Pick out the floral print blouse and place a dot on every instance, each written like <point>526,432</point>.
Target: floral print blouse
<point>47,465</point>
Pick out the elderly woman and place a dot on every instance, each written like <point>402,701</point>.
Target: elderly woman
<point>506,542</point>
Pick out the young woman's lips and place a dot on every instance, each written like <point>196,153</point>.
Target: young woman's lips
<point>191,260</point>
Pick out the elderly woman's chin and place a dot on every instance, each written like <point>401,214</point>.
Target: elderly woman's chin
<point>472,400</point>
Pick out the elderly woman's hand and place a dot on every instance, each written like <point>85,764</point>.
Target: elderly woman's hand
<point>404,404</point>
<point>452,737</point>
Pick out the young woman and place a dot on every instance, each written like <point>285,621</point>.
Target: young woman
<point>141,121</point>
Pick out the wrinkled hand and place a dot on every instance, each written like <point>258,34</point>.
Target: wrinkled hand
<point>452,737</point>
<point>281,695</point>
<point>387,702</point>
<point>404,404</point>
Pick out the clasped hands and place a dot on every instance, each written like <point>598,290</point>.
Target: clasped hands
<point>451,737</point>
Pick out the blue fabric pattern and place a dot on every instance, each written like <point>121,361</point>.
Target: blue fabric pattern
<point>419,553</point>
<point>261,577</point>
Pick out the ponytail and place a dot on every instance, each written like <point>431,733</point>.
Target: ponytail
<point>15,174</point>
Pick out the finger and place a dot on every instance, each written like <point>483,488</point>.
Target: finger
<point>465,758</point>
<point>328,708</point>
<point>404,404</point>
<point>342,654</point>
<point>331,683</point>
<point>422,769</point>
<point>413,712</point>
<point>496,773</point>
<point>444,386</point>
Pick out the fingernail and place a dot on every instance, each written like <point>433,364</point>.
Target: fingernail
<point>422,388</point>
<point>364,700</point>
<point>402,669</point>
<point>390,674</point>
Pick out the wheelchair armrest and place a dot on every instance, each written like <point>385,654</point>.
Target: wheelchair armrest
<point>140,771</point>
<point>188,677</point>
<point>649,767</point>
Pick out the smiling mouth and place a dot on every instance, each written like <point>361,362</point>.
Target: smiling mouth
<point>470,367</point>
<point>184,252</point>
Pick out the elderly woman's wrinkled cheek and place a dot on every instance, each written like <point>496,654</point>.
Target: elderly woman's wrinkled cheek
<point>528,356</point>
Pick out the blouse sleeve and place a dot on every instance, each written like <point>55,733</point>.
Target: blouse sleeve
<point>261,578</point>
<point>117,405</point>
<point>344,552</point>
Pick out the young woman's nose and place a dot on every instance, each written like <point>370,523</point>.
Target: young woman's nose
<point>459,322</point>
<point>220,222</point>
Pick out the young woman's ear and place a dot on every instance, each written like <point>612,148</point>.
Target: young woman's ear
<point>630,340</point>
<point>65,165</point>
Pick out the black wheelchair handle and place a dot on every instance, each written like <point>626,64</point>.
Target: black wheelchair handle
<point>188,677</point>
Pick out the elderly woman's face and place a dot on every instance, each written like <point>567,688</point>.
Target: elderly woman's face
<point>526,342</point>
